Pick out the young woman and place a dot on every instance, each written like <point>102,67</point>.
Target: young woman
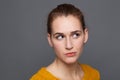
<point>67,35</point>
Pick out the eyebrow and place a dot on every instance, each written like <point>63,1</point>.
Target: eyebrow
<point>70,32</point>
<point>58,33</point>
<point>76,31</point>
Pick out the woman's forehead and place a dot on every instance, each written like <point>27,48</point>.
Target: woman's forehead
<point>66,24</point>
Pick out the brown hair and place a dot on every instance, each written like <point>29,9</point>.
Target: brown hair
<point>64,10</point>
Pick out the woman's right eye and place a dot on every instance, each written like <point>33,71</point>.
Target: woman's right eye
<point>60,37</point>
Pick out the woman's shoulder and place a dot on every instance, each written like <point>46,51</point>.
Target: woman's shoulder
<point>43,74</point>
<point>90,72</point>
<point>87,67</point>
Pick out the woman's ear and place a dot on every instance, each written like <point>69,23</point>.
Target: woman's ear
<point>49,40</point>
<point>86,35</point>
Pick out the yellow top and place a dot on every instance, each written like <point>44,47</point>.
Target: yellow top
<point>89,74</point>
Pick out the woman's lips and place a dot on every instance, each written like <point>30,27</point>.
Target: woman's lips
<point>70,54</point>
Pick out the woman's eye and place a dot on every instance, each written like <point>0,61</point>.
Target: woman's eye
<point>60,37</point>
<point>76,35</point>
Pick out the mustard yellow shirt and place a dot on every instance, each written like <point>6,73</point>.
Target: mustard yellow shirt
<point>89,74</point>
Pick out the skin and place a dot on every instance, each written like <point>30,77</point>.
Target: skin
<point>67,39</point>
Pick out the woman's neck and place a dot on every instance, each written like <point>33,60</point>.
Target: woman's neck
<point>61,69</point>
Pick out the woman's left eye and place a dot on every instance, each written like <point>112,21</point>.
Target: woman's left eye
<point>76,35</point>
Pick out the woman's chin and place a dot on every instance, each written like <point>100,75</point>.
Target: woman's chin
<point>71,61</point>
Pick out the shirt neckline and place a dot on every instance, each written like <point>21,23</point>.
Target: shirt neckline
<point>50,74</point>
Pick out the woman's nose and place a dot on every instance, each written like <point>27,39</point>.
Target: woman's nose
<point>69,44</point>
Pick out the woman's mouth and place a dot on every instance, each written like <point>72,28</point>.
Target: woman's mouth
<point>70,54</point>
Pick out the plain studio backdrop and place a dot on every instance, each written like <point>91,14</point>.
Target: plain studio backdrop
<point>23,40</point>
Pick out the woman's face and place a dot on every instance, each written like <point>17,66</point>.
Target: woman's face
<point>67,38</point>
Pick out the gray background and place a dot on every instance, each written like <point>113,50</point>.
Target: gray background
<point>24,47</point>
